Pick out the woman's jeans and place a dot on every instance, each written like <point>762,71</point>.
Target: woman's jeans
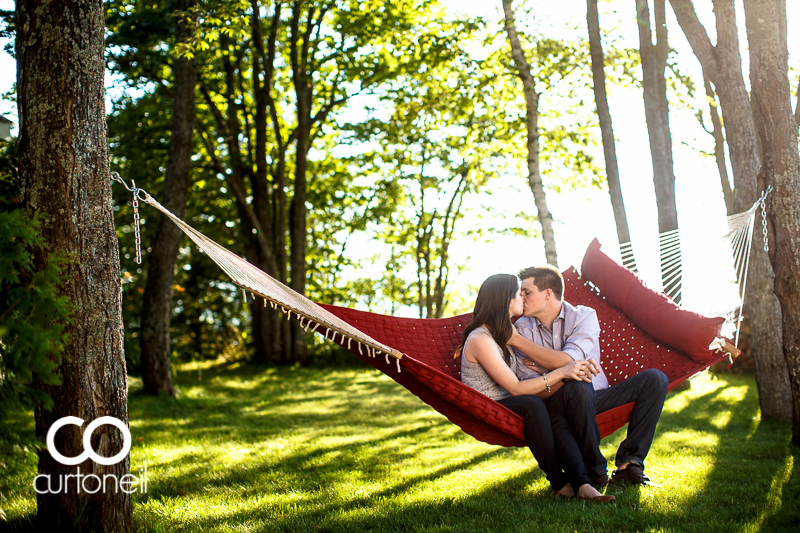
<point>549,438</point>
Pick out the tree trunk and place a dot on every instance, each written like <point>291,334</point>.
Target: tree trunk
<point>719,146</point>
<point>303,85</point>
<point>298,223</point>
<point>797,106</point>
<point>265,318</point>
<point>532,125</point>
<point>451,216</point>
<point>64,172</point>
<point>656,106</point>
<point>723,64</point>
<point>766,33</point>
<point>258,248</point>
<point>607,131</point>
<point>157,298</point>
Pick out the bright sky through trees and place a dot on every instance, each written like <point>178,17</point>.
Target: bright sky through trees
<point>586,213</point>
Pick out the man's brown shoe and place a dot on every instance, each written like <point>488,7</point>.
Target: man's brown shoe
<point>634,475</point>
<point>603,482</point>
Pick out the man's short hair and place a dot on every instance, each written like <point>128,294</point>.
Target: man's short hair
<point>545,277</point>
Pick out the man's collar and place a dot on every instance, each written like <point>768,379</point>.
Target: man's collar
<point>561,315</point>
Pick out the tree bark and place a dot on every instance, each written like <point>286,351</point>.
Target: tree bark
<point>719,146</point>
<point>607,131</point>
<point>780,167</point>
<point>259,249</point>
<point>264,201</point>
<point>157,299</point>
<point>532,126</point>
<point>298,216</point>
<point>303,84</point>
<point>797,106</point>
<point>656,106</point>
<point>723,64</point>
<point>64,171</point>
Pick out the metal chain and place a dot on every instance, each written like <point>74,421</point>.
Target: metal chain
<point>764,225</point>
<point>763,200</point>
<point>116,177</point>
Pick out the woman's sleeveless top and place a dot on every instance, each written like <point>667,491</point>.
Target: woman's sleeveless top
<point>473,374</point>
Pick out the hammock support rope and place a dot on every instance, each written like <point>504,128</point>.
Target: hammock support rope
<point>423,349</point>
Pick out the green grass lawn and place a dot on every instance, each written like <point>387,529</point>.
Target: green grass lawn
<point>249,449</point>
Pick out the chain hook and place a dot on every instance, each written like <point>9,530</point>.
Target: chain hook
<point>763,201</point>
<point>136,191</point>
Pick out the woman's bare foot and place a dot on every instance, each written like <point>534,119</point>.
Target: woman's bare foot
<point>587,492</point>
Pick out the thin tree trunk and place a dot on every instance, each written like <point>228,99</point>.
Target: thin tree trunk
<point>723,64</point>
<point>654,62</point>
<point>607,131</point>
<point>797,106</point>
<point>298,216</point>
<point>257,246</point>
<point>448,228</point>
<point>428,253</point>
<point>719,146</point>
<point>157,298</point>
<point>766,33</point>
<point>64,170</point>
<point>532,125</point>
<point>300,45</point>
<point>263,202</point>
<point>279,176</point>
<point>420,236</point>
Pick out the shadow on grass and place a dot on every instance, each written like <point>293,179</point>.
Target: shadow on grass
<point>327,462</point>
<point>748,455</point>
<point>224,405</point>
<point>787,515</point>
<point>318,506</point>
<point>372,475</point>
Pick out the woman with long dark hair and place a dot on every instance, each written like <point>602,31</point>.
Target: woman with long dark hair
<point>489,367</point>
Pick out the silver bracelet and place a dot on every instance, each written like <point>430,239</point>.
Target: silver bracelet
<point>545,381</point>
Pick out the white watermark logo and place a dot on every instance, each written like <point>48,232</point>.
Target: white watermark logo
<point>128,483</point>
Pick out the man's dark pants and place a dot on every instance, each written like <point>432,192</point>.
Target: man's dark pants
<point>579,404</point>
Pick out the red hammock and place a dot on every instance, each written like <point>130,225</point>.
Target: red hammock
<point>426,346</point>
<point>429,371</point>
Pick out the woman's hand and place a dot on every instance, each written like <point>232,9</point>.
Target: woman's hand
<point>533,365</point>
<point>515,339</point>
<point>580,370</point>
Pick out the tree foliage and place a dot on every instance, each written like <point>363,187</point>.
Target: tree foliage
<point>32,314</point>
<point>325,125</point>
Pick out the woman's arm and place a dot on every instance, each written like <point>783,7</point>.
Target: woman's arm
<point>547,357</point>
<point>544,356</point>
<point>483,350</point>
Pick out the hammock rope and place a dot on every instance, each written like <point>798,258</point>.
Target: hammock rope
<point>258,283</point>
<point>628,260</point>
